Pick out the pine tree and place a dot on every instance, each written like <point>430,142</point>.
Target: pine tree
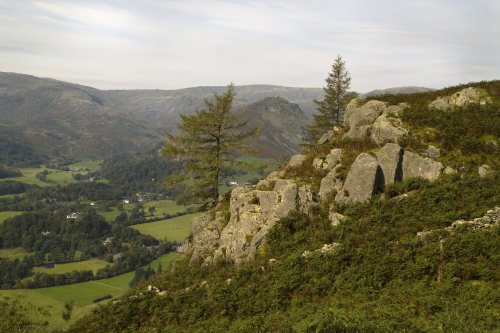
<point>208,141</point>
<point>331,107</point>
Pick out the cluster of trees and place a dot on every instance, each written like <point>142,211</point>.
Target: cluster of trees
<point>78,191</point>
<point>131,173</point>
<point>14,187</point>
<point>51,237</point>
<point>6,172</point>
<point>42,280</point>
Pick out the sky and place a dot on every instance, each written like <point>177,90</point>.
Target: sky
<point>147,44</point>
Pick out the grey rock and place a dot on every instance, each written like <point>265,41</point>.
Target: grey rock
<point>484,170</point>
<point>358,116</point>
<point>318,163</point>
<point>329,184</point>
<point>335,218</point>
<point>387,129</point>
<point>433,152</point>
<point>328,136</point>
<point>363,180</point>
<point>394,110</point>
<point>332,159</point>
<point>415,165</point>
<point>296,161</point>
<point>390,158</point>
<point>252,213</point>
<point>456,100</point>
<point>205,235</point>
<point>449,171</point>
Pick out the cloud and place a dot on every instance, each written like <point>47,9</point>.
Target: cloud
<point>174,44</point>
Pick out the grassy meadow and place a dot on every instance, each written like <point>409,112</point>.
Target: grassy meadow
<point>82,294</point>
<point>92,264</point>
<point>6,214</point>
<point>174,229</point>
<point>13,253</point>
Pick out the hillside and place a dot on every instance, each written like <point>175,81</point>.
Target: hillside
<point>43,119</point>
<point>391,224</point>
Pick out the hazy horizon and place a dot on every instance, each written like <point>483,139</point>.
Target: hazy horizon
<point>174,45</point>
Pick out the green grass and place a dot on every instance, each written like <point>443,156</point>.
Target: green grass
<point>29,176</point>
<point>82,294</point>
<point>92,264</point>
<point>60,177</point>
<point>92,165</point>
<point>6,196</point>
<point>174,229</point>
<point>110,215</point>
<point>163,207</point>
<point>13,253</point>
<point>6,214</point>
<point>56,176</point>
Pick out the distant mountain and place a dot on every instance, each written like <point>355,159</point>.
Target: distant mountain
<point>162,107</point>
<point>281,126</point>
<point>60,119</point>
<point>46,118</point>
<point>396,91</point>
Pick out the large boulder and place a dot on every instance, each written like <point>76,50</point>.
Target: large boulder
<point>387,129</point>
<point>390,158</point>
<point>329,184</point>
<point>415,165</point>
<point>359,117</point>
<point>296,161</point>
<point>363,180</point>
<point>459,99</point>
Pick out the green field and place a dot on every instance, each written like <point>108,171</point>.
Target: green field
<point>82,294</point>
<point>60,177</point>
<point>15,253</point>
<point>6,214</point>
<point>109,215</point>
<point>29,176</point>
<point>174,229</point>
<point>92,165</point>
<point>93,264</point>
<point>56,176</point>
<point>163,207</point>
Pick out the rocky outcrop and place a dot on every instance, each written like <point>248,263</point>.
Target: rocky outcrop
<point>360,118</point>
<point>252,213</point>
<point>296,161</point>
<point>490,219</point>
<point>390,158</point>
<point>329,162</point>
<point>373,119</point>
<point>330,184</point>
<point>459,99</point>
<point>415,165</point>
<point>205,232</point>
<point>387,129</point>
<point>328,136</point>
<point>363,180</point>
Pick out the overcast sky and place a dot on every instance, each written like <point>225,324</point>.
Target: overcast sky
<point>174,44</point>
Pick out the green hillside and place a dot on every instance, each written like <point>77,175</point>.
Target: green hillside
<point>417,257</point>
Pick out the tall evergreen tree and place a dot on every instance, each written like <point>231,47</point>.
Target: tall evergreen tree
<point>331,107</point>
<point>208,141</point>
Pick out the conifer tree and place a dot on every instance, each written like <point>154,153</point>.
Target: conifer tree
<point>332,106</point>
<point>208,141</point>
